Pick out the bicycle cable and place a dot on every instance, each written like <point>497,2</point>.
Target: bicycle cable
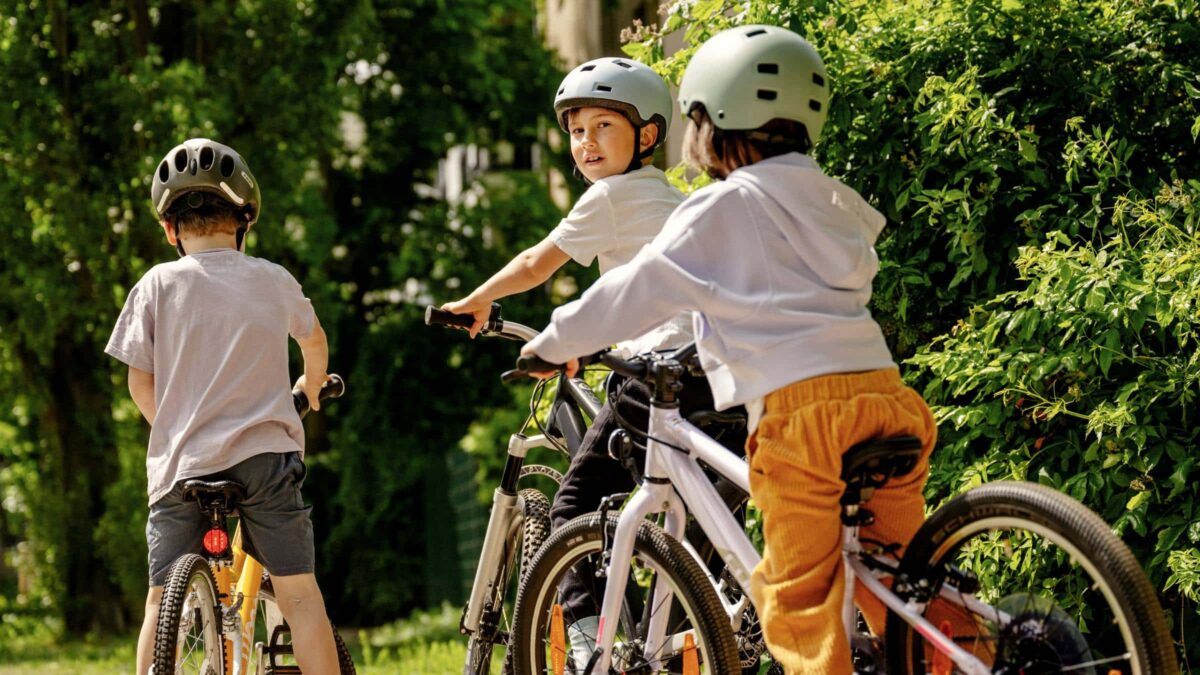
<point>539,392</point>
<point>627,426</point>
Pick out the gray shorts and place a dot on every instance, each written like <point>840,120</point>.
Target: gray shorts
<point>276,528</point>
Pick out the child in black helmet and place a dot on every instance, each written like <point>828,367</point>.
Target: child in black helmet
<point>205,339</point>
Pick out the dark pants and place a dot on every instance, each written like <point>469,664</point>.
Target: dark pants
<point>593,475</point>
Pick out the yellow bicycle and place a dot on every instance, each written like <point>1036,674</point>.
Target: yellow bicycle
<point>219,615</point>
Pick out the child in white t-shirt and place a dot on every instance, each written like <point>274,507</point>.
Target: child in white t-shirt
<point>616,112</point>
<point>205,339</point>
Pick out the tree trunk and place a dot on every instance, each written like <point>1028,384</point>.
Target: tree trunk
<point>78,430</point>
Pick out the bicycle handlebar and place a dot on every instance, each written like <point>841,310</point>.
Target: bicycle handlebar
<point>532,363</point>
<point>494,326</point>
<point>440,317</point>
<point>334,388</point>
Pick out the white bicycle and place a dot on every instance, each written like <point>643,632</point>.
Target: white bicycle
<point>1038,583</point>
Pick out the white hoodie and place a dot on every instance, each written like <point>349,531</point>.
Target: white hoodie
<point>776,261</point>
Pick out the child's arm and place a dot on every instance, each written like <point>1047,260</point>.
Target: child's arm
<point>528,269</point>
<point>141,389</point>
<point>315,349</point>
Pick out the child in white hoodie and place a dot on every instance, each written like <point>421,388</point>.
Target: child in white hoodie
<point>777,261</point>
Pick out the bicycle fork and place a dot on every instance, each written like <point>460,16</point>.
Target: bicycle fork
<point>651,498</point>
<point>503,523</point>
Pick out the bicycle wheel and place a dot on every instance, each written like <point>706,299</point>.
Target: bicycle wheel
<point>494,626</point>
<point>1057,591</point>
<point>539,625</point>
<point>188,637</point>
<point>273,638</point>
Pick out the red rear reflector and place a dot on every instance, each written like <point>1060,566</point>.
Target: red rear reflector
<point>216,541</point>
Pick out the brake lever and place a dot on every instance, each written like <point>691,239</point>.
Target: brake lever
<point>510,376</point>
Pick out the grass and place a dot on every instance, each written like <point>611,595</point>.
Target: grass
<point>426,642</point>
<point>117,656</point>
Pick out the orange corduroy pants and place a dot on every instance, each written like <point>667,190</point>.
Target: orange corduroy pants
<point>795,460</point>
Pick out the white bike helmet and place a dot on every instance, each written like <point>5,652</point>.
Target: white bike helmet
<point>631,87</point>
<point>749,75</point>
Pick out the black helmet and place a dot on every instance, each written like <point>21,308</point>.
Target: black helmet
<point>201,165</point>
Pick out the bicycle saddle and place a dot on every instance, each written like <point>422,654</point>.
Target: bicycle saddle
<point>211,494</point>
<point>871,464</point>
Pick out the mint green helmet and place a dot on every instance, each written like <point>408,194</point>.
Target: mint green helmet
<point>749,75</point>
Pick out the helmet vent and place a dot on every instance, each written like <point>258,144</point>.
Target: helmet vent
<point>206,158</point>
<point>590,66</point>
<point>164,172</point>
<point>814,104</point>
<point>560,91</point>
<point>602,87</point>
<point>768,68</point>
<point>756,33</point>
<point>181,160</point>
<point>624,65</point>
<point>227,166</point>
<point>818,80</point>
<point>768,94</point>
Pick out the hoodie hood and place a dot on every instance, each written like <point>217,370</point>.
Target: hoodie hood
<point>829,226</point>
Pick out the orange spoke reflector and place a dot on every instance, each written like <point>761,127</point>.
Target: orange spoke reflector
<point>942,664</point>
<point>691,661</point>
<point>558,641</point>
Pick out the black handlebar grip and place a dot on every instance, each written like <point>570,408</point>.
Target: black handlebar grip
<point>440,317</point>
<point>334,388</point>
<point>533,363</point>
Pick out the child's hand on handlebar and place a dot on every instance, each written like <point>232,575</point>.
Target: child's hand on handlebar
<point>572,366</point>
<point>312,389</point>
<point>480,309</point>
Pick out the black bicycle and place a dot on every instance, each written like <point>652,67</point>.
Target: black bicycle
<point>520,518</point>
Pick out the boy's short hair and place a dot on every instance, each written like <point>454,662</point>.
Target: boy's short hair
<point>199,214</point>
<point>720,151</point>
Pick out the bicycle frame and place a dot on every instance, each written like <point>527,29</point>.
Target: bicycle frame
<point>572,399</point>
<point>674,481</point>
<point>238,581</point>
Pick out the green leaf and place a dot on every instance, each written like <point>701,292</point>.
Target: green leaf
<point>1027,150</point>
<point>1137,500</point>
<point>1179,479</point>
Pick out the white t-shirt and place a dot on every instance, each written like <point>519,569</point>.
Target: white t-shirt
<point>616,217</point>
<point>212,327</point>
<point>610,223</point>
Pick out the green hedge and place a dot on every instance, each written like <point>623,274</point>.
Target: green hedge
<point>1036,162</point>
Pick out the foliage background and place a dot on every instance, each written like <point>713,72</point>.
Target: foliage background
<point>343,111</point>
<point>1037,162</point>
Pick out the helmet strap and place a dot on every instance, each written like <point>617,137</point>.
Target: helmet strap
<point>638,154</point>
<point>579,174</point>
<point>240,238</point>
